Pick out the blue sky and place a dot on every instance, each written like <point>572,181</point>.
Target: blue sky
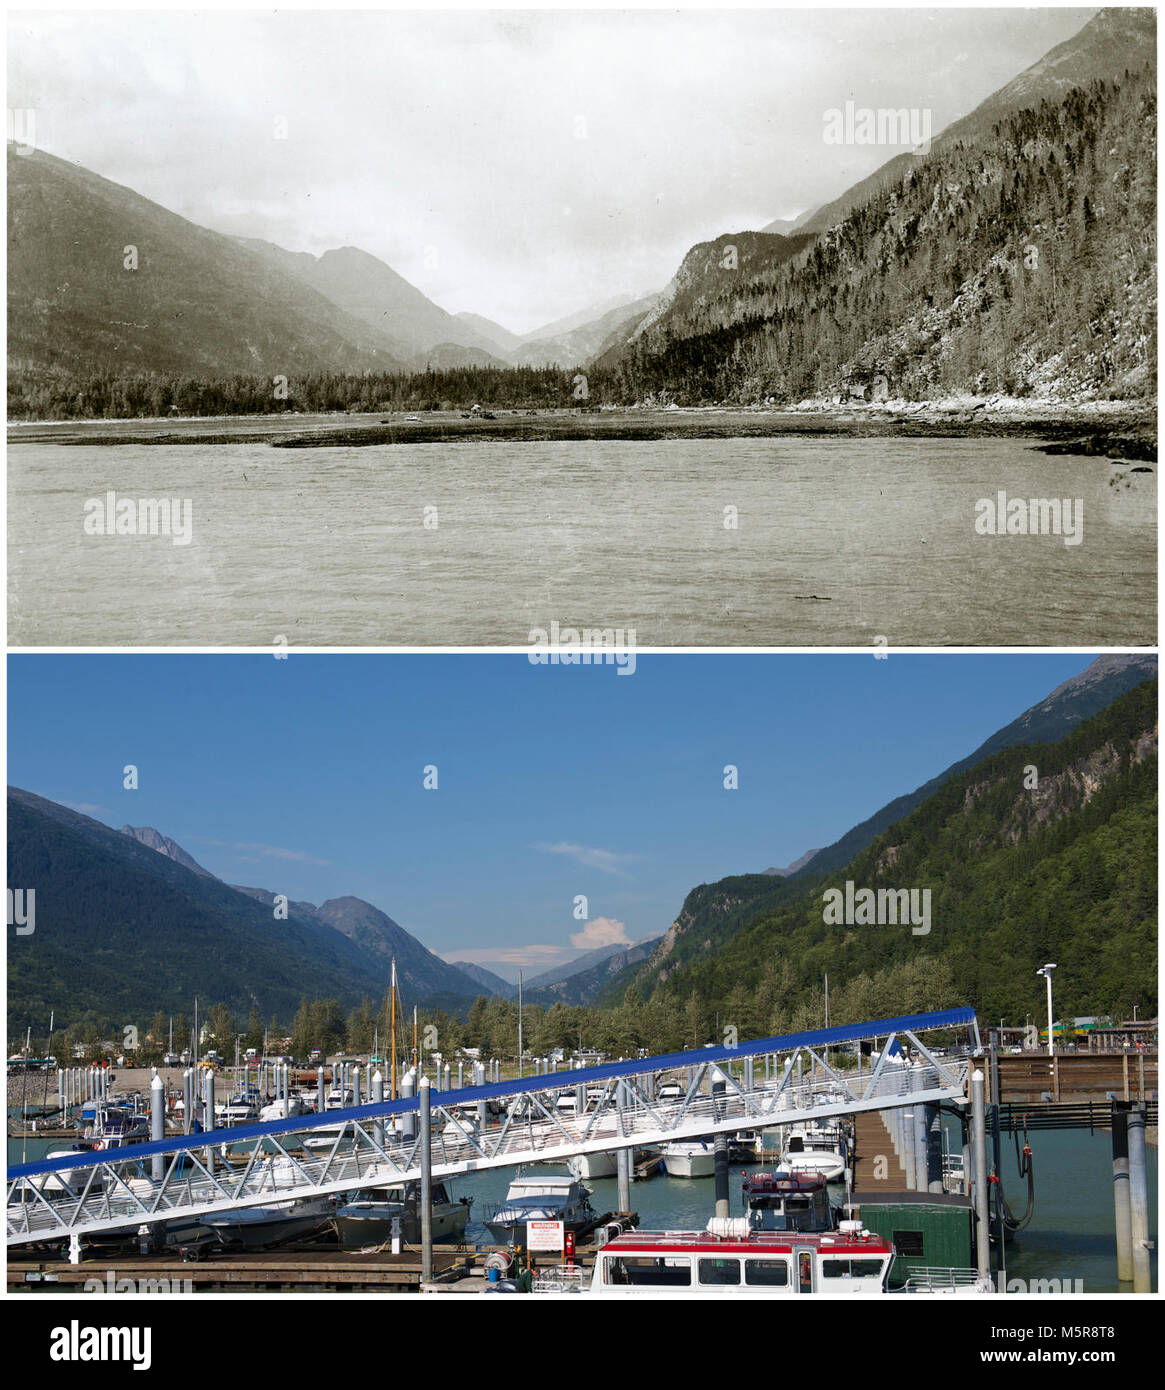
<point>305,776</point>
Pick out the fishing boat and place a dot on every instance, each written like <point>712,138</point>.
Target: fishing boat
<point>259,1228</point>
<point>366,1217</point>
<point>540,1197</point>
<point>689,1158</point>
<point>785,1201</point>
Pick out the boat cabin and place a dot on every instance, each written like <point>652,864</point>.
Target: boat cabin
<point>657,1264</point>
<point>786,1201</point>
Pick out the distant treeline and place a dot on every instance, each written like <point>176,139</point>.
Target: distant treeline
<point>37,395</point>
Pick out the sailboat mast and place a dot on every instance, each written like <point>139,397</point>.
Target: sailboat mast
<point>392,1025</point>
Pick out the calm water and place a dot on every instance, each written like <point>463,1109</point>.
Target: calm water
<point>1070,1237</point>
<point>328,546</point>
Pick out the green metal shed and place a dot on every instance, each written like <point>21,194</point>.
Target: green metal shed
<point>928,1229</point>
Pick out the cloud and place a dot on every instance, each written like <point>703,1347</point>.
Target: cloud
<point>601,931</point>
<point>512,955</point>
<point>603,859</point>
<point>299,856</point>
<point>88,808</point>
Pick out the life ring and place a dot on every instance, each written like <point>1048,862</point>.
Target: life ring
<point>100,1144</point>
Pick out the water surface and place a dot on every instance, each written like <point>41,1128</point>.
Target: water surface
<point>837,542</point>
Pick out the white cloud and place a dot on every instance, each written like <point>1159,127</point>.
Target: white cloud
<point>88,808</point>
<point>299,856</point>
<point>544,956</point>
<point>608,861</point>
<point>601,931</point>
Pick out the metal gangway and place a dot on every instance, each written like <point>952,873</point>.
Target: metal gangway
<point>783,1081</point>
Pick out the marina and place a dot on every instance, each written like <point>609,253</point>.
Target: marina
<point>375,1192</point>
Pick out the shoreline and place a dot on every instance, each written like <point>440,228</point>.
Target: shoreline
<point>1117,430</point>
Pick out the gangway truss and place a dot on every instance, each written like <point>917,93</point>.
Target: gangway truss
<point>785,1080</point>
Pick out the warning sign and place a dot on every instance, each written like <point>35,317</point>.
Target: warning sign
<point>545,1235</point>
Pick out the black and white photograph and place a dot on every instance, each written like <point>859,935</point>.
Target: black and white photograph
<point>721,328</point>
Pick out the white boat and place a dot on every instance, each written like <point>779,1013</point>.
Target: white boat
<point>539,1197</point>
<point>259,1228</point>
<point>283,1109</point>
<point>238,1110</point>
<point>689,1158</point>
<point>366,1217</point>
<point>815,1149</point>
<point>593,1165</point>
<point>112,1129</point>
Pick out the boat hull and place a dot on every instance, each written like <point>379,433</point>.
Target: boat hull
<point>359,1229</point>
<point>695,1164</point>
<point>592,1165</point>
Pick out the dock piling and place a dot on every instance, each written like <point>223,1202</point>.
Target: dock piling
<point>1139,1200</point>
<point>158,1125</point>
<point>426,1139</point>
<point>979,1142</point>
<point>719,1147</point>
<point>1121,1194</point>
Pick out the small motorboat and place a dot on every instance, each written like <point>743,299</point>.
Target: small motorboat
<point>367,1217</point>
<point>261,1227</point>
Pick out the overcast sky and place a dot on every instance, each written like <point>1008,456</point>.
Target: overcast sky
<point>519,164</point>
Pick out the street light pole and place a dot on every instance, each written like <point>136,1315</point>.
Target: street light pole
<point>1046,972</point>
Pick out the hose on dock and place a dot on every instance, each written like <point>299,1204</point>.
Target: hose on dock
<point>1023,1162</point>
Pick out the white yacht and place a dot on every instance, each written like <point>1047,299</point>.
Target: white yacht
<point>689,1158</point>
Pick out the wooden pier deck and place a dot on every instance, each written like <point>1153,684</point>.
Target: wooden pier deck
<point>267,1269</point>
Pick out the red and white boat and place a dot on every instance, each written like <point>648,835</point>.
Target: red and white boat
<point>730,1260</point>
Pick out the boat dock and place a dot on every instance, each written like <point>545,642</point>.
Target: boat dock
<point>306,1268</point>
